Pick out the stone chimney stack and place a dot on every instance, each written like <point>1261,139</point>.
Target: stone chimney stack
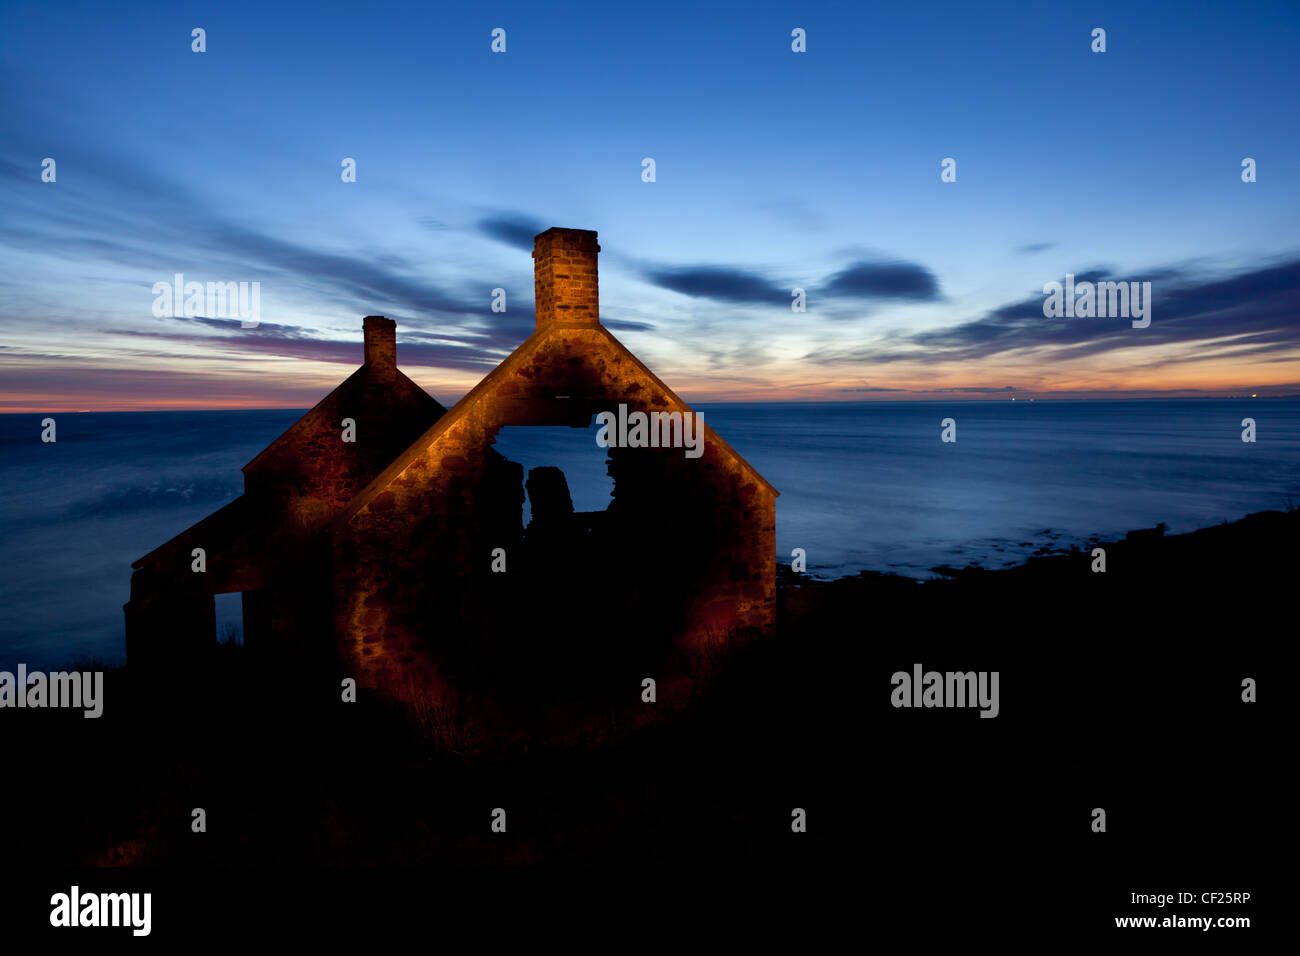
<point>564,272</point>
<point>381,343</point>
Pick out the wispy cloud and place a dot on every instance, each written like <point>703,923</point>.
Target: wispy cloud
<point>1254,311</point>
<point>458,350</point>
<point>626,325</point>
<point>1030,248</point>
<point>514,229</point>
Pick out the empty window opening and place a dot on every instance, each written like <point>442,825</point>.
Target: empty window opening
<point>572,450</point>
<point>230,618</point>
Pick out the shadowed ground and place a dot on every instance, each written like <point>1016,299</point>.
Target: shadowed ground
<point>1119,690</point>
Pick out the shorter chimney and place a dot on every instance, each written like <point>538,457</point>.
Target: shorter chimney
<point>381,343</point>
<point>564,273</point>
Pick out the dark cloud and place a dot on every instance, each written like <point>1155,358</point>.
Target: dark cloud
<point>1255,311</point>
<point>871,388</point>
<point>514,229</point>
<point>862,280</point>
<point>626,325</point>
<point>1032,247</point>
<point>718,282</point>
<point>884,280</point>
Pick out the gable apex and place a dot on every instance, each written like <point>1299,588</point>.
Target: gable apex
<point>501,384</point>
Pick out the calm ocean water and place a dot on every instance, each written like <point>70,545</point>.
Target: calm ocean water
<point>863,486</point>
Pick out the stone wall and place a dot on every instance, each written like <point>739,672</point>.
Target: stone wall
<point>685,555</point>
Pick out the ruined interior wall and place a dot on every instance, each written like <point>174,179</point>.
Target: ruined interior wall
<point>405,566</point>
<point>707,532</point>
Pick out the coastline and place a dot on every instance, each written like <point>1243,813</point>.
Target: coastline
<point>1258,552</point>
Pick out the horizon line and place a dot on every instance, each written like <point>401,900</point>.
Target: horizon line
<point>1026,398</point>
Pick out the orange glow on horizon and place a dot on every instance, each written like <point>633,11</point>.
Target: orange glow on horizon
<point>1082,388</point>
<point>1172,372</point>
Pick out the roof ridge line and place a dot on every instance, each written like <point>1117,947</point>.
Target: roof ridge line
<point>448,418</point>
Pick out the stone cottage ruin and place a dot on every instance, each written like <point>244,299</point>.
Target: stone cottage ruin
<point>402,558</point>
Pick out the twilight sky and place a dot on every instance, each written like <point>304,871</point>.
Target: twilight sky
<point>775,170</point>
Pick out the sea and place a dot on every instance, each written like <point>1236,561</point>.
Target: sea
<point>863,486</point>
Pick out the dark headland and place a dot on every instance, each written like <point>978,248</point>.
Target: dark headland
<point>286,774</point>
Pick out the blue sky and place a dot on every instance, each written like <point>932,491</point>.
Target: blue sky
<point>819,170</point>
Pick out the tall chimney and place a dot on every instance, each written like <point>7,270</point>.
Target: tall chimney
<point>381,343</point>
<point>564,272</point>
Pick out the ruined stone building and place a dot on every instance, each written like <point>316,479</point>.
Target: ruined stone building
<point>382,558</point>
